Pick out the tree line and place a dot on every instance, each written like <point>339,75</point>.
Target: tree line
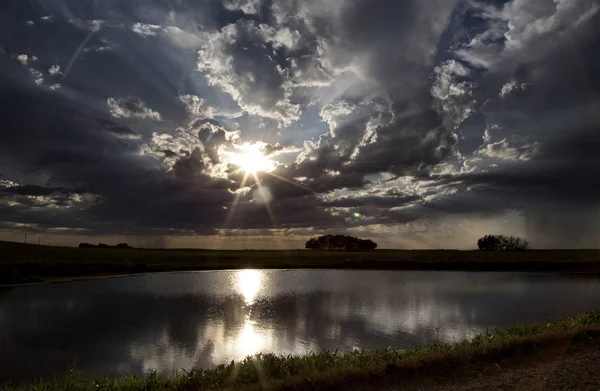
<point>502,243</point>
<point>340,243</point>
<point>351,243</point>
<point>103,245</point>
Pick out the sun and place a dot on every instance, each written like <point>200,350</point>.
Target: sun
<point>251,159</point>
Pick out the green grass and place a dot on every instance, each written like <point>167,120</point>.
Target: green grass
<point>20,263</point>
<point>332,370</point>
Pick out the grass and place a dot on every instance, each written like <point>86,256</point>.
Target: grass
<point>332,370</point>
<point>22,263</point>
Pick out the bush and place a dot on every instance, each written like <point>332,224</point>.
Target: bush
<point>340,243</point>
<point>502,243</point>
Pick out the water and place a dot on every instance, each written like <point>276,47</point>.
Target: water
<point>167,322</point>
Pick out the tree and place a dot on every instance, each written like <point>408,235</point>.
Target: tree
<point>502,243</point>
<point>340,243</point>
<point>312,244</point>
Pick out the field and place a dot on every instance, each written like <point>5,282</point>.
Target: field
<point>26,263</point>
<point>31,263</point>
<point>494,360</point>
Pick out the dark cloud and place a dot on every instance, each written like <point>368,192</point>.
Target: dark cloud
<point>33,190</point>
<point>372,201</point>
<point>123,117</point>
<point>131,107</point>
<point>238,59</point>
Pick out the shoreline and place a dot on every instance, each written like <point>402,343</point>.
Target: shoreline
<point>500,355</point>
<point>67,279</point>
<point>28,264</point>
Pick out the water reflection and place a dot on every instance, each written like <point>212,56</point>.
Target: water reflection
<point>250,339</point>
<point>169,322</point>
<point>248,283</point>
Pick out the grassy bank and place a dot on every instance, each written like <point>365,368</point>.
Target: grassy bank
<point>22,263</point>
<point>336,371</point>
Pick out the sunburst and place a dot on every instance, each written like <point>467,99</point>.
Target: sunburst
<point>250,159</point>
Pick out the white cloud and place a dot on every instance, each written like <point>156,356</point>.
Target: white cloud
<point>332,112</point>
<point>283,37</point>
<point>54,70</point>
<point>196,107</point>
<point>95,25</point>
<point>131,108</point>
<point>502,150</point>
<point>454,97</point>
<point>525,30</point>
<point>146,30</point>
<point>175,34</point>
<point>23,59</point>
<point>100,49</point>
<point>511,86</point>
<point>37,76</point>
<point>250,7</point>
<point>238,60</point>
<point>530,21</point>
<point>310,71</point>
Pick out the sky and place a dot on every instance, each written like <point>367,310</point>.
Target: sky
<point>259,124</point>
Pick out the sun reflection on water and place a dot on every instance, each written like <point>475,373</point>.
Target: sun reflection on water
<point>250,339</point>
<point>248,284</point>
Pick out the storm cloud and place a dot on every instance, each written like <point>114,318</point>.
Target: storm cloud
<point>381,118</point>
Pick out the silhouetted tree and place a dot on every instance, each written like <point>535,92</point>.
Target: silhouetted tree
<point>340,243</point>
<point>312,244</point>
<point>502,243</point>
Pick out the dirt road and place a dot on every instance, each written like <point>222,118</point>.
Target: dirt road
<point>562,366</point>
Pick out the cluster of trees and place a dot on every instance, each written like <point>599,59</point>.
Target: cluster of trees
<point>340,243</point>
<point>102,245</point>
<point>502,243</point>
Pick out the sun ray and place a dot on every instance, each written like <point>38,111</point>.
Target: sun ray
<point>266,202</point>
<point>290,182</point>
<point>233,206</point>
<point>250,159</point>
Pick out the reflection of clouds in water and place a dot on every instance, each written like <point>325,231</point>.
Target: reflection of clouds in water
<point>162,355</point>
<point>173,321</point>
<point>412,310</point>
<point>428,307</point>
<point>222,341</point>
<point>215,345</point>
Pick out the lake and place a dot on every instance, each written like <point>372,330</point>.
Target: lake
<point>166,322</point>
